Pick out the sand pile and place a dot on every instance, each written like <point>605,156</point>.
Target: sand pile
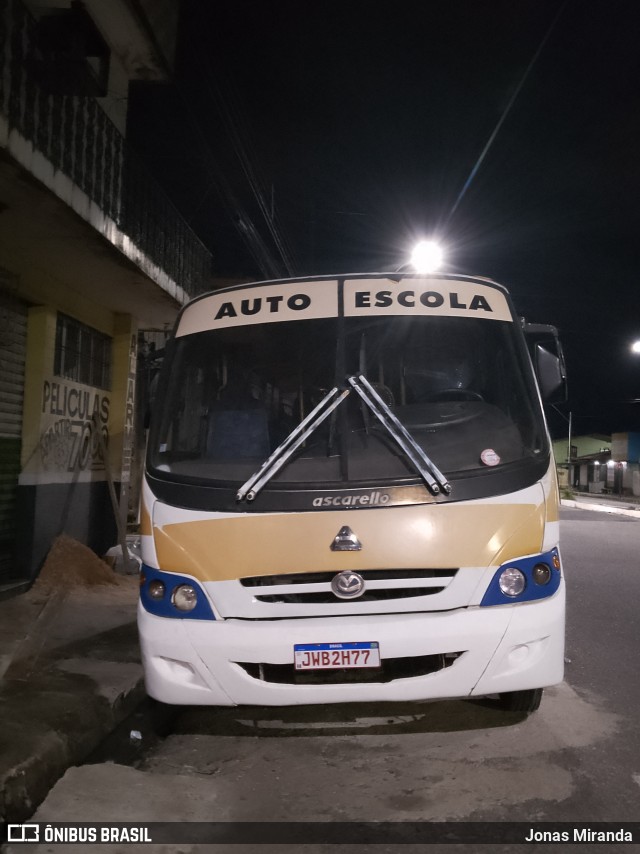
<point>71,564</point>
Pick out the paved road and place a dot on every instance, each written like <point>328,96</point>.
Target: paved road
<point>577,759</point>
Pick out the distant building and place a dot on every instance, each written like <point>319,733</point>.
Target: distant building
<point>625,452</point>
<point>581,446</point>
<point>609,464</point>
<point>91,252</point>
<point>579,465</point>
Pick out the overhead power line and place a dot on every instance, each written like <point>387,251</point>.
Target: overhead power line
<point>505,113</point>
<point>232,124</point>
<point>239,217</point>
<point>228,107</point>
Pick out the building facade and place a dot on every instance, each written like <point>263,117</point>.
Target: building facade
<point>600,464</point>
<point>626,456</point>
<point>91,252</point>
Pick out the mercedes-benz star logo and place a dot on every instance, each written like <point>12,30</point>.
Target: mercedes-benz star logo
<point>347,585</point>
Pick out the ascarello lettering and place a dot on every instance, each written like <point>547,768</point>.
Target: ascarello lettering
<point>364,500</point>
<point>267,304</point>
<point>429,299</point>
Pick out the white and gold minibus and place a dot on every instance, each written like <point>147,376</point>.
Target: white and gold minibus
<point>350,495</point>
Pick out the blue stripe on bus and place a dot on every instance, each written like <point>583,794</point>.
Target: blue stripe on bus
<point>164,607</point>
<point>532,591</point>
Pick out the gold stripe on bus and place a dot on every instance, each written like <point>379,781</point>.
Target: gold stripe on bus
<point>414,537</point>
<point>552,494</point>
<point>145,519</point>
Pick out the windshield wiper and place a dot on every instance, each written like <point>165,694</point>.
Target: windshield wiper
<point>283,452</point>
<point>427,470</point>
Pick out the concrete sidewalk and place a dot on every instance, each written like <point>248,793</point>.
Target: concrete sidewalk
<point>624,505</point>
<point>70,669</point>
<point>70,672</point>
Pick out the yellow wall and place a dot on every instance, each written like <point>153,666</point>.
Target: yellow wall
<point>41,337</point>
<point>53,431</point>
<point>121,422</point>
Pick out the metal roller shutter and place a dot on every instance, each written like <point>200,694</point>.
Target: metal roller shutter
<point>13,346</point>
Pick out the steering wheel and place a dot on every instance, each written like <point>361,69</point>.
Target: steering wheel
<point>455,393</point>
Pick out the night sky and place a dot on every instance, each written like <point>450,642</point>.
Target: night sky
<point>302,138</point>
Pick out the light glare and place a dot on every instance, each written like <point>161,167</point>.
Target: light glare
<point>635,347</point>
<point>427,256</point>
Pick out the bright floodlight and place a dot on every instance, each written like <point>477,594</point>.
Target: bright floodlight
<point>427,256</point>
<point>635,347</point>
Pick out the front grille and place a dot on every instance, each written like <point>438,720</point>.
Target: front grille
<point>367,574</point>
<point>390,670</point>
<point>381,585</point>
<point>367,596</point>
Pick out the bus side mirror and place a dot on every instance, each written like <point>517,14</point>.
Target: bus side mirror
<point>549,370</point>
<point>543,343</point>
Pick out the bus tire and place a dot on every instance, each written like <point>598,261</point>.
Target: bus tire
<point>521,701</point>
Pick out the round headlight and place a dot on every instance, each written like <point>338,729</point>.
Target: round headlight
<point>541,573</point>
<point>185,597</point>
<point>512,581</point>
<point>156,589</point>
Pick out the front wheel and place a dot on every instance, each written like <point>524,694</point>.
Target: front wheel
<point>521,701</point>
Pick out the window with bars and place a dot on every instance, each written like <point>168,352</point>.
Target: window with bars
<point>82,354</point>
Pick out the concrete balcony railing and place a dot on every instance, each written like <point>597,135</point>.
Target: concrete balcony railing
<point>68,143</point>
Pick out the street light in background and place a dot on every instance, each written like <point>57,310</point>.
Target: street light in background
<point>635,348</point>
<point>427,256</point>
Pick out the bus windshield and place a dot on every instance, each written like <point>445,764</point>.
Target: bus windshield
<point>461,386</point>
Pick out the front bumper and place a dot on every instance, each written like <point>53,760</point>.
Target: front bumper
<point>504,648</point>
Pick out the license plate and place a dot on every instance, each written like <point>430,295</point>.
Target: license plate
<point>336,656</point>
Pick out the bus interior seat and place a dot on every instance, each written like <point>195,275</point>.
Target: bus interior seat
<point>237,433</point>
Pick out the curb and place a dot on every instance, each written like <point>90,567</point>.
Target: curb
<point>36,763</point>
<point>601,508</point>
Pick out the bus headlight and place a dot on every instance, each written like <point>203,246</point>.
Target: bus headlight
<point>541,573</point>
<point>185,597</point>
<point>156,589</point>
<point>512,582</point>
<point>524,579</point>
<point>169,594</point>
